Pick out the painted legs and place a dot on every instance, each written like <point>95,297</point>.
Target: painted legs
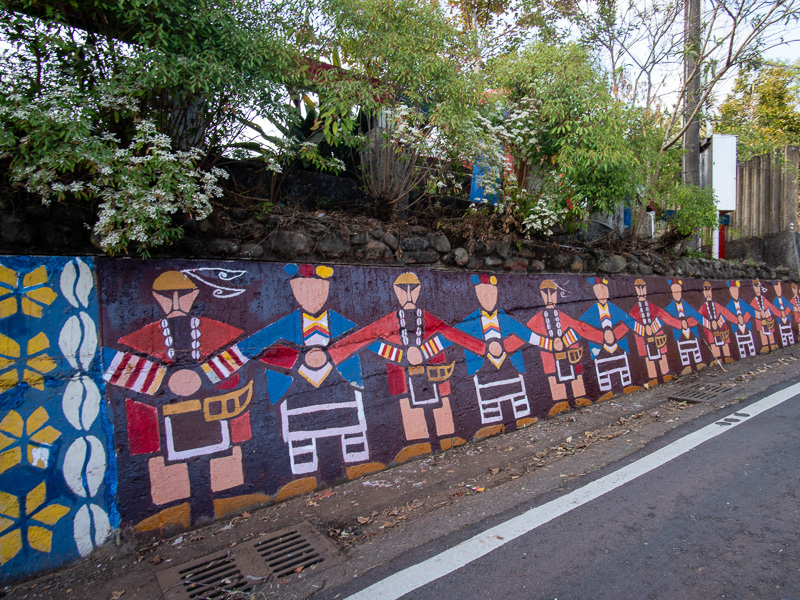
<point>302,443</point>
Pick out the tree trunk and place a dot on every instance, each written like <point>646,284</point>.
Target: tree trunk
<point>691,139</point>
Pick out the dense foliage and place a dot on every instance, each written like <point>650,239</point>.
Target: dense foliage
<point>132,104</point>
<point>133,109</point>
<point>763,109</point>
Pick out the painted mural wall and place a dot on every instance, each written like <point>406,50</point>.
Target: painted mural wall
<point>57,462</point>
<point>217,386</point>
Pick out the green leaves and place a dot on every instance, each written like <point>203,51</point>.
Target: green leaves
<point>561,120</point>
<point>763,109</point>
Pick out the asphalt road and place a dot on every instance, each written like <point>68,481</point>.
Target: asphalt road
<point>720,521</point>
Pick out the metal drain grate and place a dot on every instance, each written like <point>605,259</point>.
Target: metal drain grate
<point>700,392</point>
<point>233,573</point>
<point>219,575</point>
<point>289,552</point>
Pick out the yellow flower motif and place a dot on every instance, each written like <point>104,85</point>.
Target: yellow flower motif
<point>36,364</point>
<point>33,435</point>
<point>34,296</point>
<point>31,527</point>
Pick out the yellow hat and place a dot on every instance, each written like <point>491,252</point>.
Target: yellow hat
<point>173,280</point>
<point>407,279</point>
<point>548,284</point>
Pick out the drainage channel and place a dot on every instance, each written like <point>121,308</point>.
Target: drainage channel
<point>700,392</point>
<point>237,571</point>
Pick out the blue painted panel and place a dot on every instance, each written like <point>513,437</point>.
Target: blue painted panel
<point>57,464</point>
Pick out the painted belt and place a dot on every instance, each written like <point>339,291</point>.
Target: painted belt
<point>660,340</point>
<point>722,334</point>
<point>215,408</point>
<point>435,373</point>
<point>573,355</point>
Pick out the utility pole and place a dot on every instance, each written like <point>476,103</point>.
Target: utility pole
<point>691,45</point>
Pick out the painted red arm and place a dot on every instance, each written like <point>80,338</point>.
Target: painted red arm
<point>384,328</point>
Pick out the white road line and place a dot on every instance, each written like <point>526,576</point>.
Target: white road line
<point>416,576</point>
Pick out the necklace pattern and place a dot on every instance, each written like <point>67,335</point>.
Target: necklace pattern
<point>644,311</point>
<point>169,341</point>
<point>401,316</point>
<point>712,310</point>
<point>549,325</point>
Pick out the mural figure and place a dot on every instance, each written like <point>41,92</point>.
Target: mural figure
<point>413,343</point>
<point>316,400</point>
<point>651,339</point>
<point>497,374</point>
<point>609,346</point>
<point>764,318</point>
<point>740,314</point>
<point>718,336</point>
<point>561,351</point>
<point>685,333</point>
<point>784,314</point>
<point>197,419</point>
<point>795,301</point>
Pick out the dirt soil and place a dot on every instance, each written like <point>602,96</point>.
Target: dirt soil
<point>376,518</point>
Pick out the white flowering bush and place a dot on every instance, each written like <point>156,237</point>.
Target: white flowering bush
<point>569,138</point>
<point>394,155</point>
<point>56,153</point>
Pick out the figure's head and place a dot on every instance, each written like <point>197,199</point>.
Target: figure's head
<point>407,288</point>
<point>676,287</point>
<point>733,287</point>
<point>641,289</point>
<point>486,290</point>
<point>756,287</point>
<point>707,292</point>
<point>776,285</point>
<point>175,293</point>
<point>549,291</point>
<point>309,285</point>
<point>600,288</point>
<point>794,289</point>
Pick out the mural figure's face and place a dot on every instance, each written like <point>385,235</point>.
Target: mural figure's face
<point>175,303</point>
<point>794,289</point>
<point>734,289</point>
<point>676,291</point>
<point>407,294</point>
<point>757,287</point>
<point>311,293</point>
<point>600,292</point>
<point>778,288</point>
<point>641,292</point>
<point>707,294</point>
<point>549,296</point>
<point>487,295</point>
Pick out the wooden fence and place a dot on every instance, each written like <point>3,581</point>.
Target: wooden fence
<point>767,195</point>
